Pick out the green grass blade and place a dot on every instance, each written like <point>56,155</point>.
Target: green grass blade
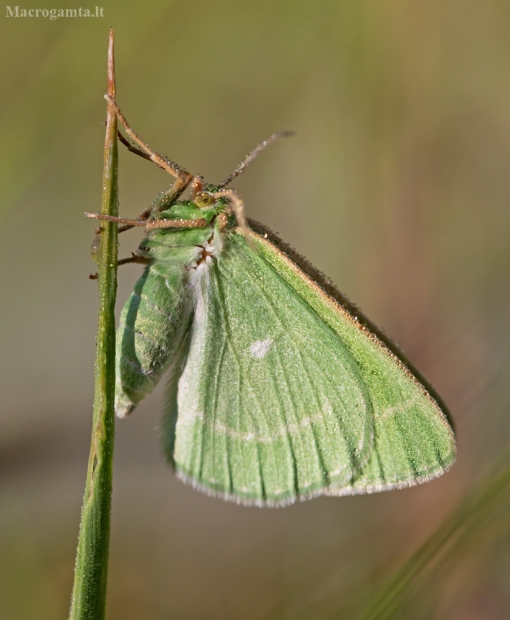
<point>451,538</point>
<point>89,590</point>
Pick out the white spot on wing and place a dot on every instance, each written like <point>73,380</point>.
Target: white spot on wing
<point>260,348</point>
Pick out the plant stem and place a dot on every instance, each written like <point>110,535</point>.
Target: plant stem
<point>89,589</point>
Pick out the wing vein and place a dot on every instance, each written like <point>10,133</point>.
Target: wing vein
<point>228,330</point>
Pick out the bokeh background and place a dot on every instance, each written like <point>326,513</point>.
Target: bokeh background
<point>397,185</point>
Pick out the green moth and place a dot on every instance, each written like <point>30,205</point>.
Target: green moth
<point>279,388</point>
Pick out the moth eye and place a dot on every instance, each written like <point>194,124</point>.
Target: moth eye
<point>203,200</point>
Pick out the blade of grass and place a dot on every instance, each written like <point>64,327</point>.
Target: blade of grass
<point>451,536</point>
<point>89,589</point>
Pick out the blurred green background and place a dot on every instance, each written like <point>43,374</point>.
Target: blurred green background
<point>397,185</point>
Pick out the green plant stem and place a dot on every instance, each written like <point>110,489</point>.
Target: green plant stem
<point>452,534</point>
<point>89,589</point>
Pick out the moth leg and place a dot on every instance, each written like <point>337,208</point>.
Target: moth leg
<point>158,224</point>
<point>112,218</point>
<point>237,207</point>
<point>182,177</point>
<point>151,224</point>
<point>131,148</point>
<point>162,202</point>
<point>134,258</point>
<point>144,216</point>
<point>115,218</point>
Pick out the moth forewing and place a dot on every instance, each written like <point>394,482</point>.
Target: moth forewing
<point>414,441</point>
<point>280,389</point>
<point>285,395</point>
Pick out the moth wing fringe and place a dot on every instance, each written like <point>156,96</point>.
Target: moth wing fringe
<point>325,491</point>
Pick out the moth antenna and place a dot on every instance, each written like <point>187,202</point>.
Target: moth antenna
<point>252,154</point>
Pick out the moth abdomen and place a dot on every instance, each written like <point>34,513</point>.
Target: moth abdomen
<point>153,323</point>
